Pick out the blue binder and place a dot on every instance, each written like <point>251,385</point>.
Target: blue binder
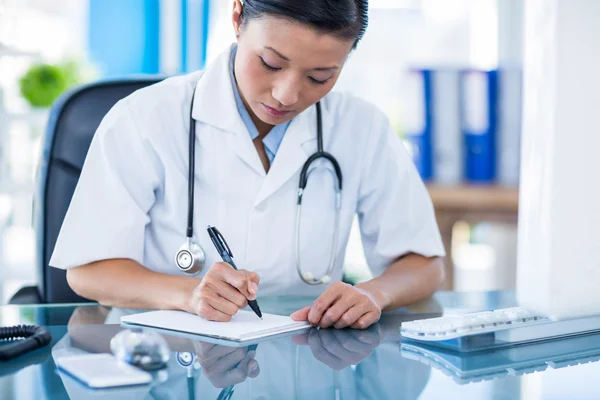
<point>478,99</point>
<point>418,121</point>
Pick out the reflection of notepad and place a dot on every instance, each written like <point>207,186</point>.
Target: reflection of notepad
<point>245,325</point>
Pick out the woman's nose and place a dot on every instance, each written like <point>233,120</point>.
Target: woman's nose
<point>286,93</point>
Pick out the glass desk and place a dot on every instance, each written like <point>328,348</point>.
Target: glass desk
<point>325,364</point>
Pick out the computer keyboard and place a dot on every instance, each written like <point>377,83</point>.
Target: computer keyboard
<point>457,326</point>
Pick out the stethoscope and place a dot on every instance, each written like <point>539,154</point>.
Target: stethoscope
<point>190,257</point>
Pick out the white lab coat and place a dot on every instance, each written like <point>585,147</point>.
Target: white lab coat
<point>131,199</point>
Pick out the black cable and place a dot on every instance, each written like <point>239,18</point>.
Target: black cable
<point>192,168</point>
<point>319,129</point>
<point>35,338</point>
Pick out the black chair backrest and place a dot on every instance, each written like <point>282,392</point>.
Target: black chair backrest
<point>73,121</point>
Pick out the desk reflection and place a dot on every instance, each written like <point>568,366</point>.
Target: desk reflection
<point>316,364</point>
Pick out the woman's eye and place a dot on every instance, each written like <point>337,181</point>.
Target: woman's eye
<point>318,82</point>
<point>267,66</point>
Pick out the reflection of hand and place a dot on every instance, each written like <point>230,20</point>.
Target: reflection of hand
<point>340,348</point>
<point>226,366</point>
<point>341,306</point>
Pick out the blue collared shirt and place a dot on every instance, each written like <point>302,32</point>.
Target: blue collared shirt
<point>274,137</point>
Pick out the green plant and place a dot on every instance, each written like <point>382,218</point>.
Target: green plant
<point>43,83</point>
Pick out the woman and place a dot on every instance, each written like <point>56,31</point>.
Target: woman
<point>256,112</point>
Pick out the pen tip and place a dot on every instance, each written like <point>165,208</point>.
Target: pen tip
<point>261,318</point>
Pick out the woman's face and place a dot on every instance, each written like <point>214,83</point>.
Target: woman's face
<point>283,67</point>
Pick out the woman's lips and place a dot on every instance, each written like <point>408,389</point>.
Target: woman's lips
<point>274,112</point>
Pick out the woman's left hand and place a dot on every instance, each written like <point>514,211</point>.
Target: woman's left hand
<point>341,306</point>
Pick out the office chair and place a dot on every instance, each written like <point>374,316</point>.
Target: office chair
<point>74,118</point>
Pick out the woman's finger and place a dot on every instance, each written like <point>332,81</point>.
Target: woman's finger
<point>237,279</point>
<point>205,309</point>
<point>301,315</point>
<point>224,306</point>
<point>322,304</point>
<point>337,310</point>
<point>252,281</point>
<point>351,316</point>
<point>367,320</point>
<point>230,293</point>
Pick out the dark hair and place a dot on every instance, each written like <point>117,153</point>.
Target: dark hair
<point>347,19</point>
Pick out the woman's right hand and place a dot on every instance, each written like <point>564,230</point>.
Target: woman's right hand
<point>223,291</point>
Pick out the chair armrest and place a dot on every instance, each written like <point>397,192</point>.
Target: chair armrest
<point>26,295</point>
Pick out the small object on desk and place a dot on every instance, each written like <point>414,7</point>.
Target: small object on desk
<point>493,329</point>
<point>102,371</point>
<point>142,348</point>
<point>227,256</point>
<point>242,327</point>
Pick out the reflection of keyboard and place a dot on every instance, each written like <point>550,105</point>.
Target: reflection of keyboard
<point>509,361</point>
<point>456,326</point>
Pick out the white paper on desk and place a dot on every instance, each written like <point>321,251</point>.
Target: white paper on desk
<point>244,325</point>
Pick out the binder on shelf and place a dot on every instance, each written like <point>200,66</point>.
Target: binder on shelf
<point>417,121</point>
<point>446,137</point>
<point>479,124</point>
<point>508,140</point>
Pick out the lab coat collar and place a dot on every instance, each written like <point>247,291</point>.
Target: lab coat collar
<point>214,101</point>
<point>299,142</point>
<point>215,106</point>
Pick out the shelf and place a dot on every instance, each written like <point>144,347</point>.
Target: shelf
<point>6,51</point>
<point>475,197</point>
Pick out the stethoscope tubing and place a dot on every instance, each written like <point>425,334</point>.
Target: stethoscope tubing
<point>304,175</point>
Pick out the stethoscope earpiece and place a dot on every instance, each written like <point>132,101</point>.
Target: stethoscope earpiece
<point>311,280</point>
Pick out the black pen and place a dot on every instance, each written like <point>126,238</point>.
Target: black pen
<point>227,256</point>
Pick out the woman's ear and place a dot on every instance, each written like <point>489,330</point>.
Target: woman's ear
<point>236,17</point>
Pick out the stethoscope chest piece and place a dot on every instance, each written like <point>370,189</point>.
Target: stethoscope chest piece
<point>190,258</point>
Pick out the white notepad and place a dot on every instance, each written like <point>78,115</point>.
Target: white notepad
<point>244,326</point>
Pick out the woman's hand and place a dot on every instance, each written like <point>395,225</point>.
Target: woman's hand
<point>223,291</point>
<point>341,306</point>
